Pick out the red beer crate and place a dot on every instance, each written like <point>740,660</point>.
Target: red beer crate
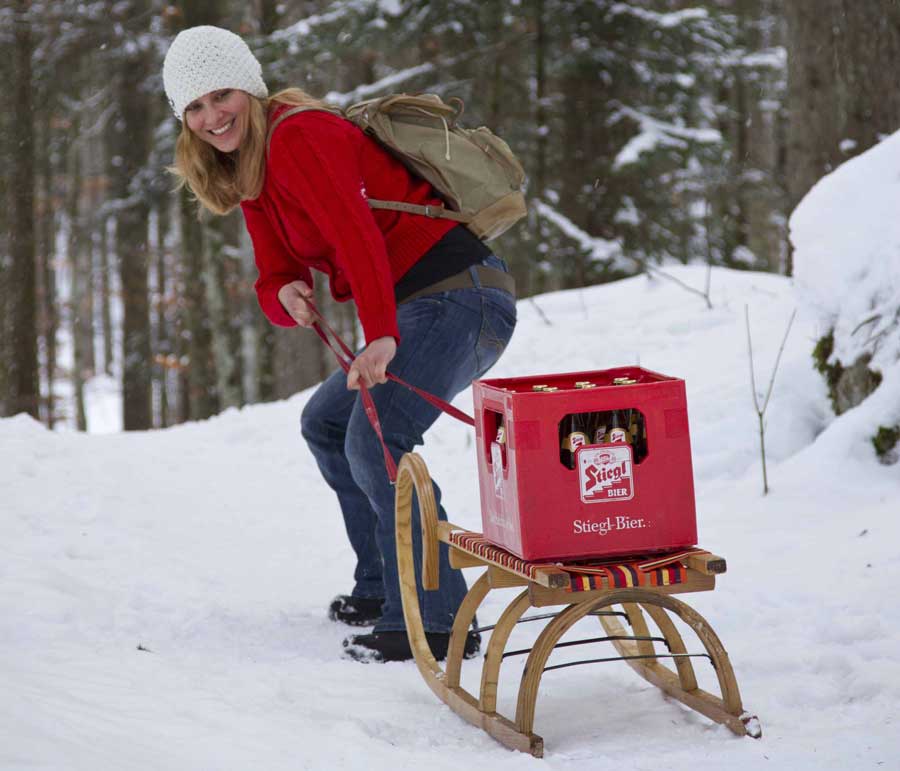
<point>621,497</point>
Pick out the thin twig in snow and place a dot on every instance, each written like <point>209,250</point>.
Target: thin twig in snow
<point>657,272</point>
<point>778,359</point>
<point>540,312</point>
<point>760,412</point>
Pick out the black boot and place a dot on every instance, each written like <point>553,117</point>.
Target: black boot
<point>355,611</point>
<point>380,647</point>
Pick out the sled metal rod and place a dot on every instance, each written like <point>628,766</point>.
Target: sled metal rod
<point>544,616</point>
<point>593,640</point>
<point>626,658</point>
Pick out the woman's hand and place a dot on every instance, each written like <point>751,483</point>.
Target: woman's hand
<point>293,299</point>
<point>371,365</point>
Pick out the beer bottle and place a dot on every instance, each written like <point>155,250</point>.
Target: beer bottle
<point>631,424</point>
<point>573,437</point>
<point>500,439</point>
<point>599,428</point>
<point>588,425</point>
<point>618,431</point>
<point>640,439</point>
<point>587,419</point>
<point>634,428</point>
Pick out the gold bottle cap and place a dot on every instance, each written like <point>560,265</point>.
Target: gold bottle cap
<point>624,381</point>
<point>538,387</point>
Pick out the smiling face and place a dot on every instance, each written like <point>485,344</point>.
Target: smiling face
<point>219,118</point>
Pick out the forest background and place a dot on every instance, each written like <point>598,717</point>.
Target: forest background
<point>653,132</point>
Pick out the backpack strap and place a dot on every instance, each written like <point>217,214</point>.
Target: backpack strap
<point>435,212</point>
<point>288,114</point>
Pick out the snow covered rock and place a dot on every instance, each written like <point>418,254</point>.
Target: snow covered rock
<point>846,237</point>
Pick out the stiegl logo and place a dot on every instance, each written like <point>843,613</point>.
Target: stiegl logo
<point>605,526</point>
<point>605,473</point>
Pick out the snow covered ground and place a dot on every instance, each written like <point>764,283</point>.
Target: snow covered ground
<point>163,594</point>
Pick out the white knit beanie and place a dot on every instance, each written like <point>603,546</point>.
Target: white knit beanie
<point>204,59</point>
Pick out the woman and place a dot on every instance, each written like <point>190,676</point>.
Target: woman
<point>305,208</point>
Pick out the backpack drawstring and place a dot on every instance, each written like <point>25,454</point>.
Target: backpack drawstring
<point>446,137</point>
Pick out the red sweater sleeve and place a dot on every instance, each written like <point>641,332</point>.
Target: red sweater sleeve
<point>314,162</point>
<point>275,267</point>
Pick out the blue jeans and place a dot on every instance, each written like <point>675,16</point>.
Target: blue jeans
<point>447,340</point>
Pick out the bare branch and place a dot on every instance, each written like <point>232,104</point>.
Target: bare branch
<point>778,359</point>
<point>760,412</point>
<point>750,354</point>
<point>657,272</point>
<point>540,312</point>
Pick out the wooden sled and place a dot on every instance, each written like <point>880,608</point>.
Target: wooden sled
<point>545,586</point>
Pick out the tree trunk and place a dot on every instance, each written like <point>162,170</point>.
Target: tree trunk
<point>218,255</point>
<point>264,351</point>
<point>814,130</point>
<point>105,294</point>
<point>749,198</point>
<point>767,232</point>
<point>842,96</point>
<point>201,374</point>
<point>528,276</point>
<point>540,84</point>
<point>46,258</point>
<point>24,380</point>
<point>6,152</point>
<point>495,12</point>
<point>132,142</point>
<point>269,15</point>
<point>867,43</point>
<point>163,340</point>
<point>80,281</point>
<point>204,344</point>
<point>181,345</point>
<point>131,245</point>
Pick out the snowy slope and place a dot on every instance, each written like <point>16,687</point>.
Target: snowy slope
<point>215,547</point>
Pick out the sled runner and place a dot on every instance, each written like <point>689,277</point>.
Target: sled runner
<point>611,591</point>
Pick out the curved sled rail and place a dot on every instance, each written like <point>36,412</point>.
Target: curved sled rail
<point>412,474</point>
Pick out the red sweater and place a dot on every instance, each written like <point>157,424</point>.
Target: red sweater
<point>312,213</point>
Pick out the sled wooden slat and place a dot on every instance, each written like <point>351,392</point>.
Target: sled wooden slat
<point>709,564</point>
<point>543,586</point>
<point>541,596</point>
<point>461,559</point>
<point>461,556</point>
<point>504,579</point>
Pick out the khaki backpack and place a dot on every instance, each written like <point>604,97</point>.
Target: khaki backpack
<point>473,170</point>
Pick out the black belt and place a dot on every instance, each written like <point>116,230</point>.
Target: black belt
<point>489,278</point>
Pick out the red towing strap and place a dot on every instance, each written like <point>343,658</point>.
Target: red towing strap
<point>345,358</point>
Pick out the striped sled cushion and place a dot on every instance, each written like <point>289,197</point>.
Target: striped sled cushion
<point>619,573</point>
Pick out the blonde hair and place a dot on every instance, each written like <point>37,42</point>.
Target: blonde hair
<point>220,181</point>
